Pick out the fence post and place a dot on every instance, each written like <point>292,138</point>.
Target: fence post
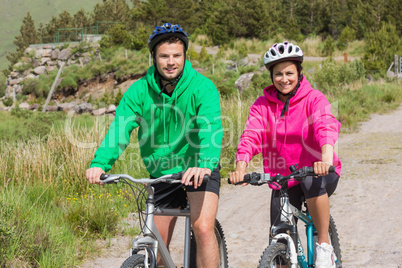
<point>396,66</point>
<point>52,88</point>
<point>126,54</point>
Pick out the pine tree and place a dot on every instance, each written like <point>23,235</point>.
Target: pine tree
<point>28,35</point>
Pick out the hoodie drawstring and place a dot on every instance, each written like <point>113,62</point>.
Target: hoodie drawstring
<point>175,110</point>
<point>164,124</point>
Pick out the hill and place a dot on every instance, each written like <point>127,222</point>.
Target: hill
<point>12,13</point>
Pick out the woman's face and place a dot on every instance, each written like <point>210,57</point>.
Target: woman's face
<point>285,76</point>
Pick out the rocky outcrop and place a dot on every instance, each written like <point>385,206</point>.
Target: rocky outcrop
<point>39,60</point>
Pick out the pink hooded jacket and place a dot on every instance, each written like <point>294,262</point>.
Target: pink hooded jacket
<point>296,137</point>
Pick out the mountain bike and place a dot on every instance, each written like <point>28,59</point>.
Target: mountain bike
<point>146,247</point>
<point>285,248</point>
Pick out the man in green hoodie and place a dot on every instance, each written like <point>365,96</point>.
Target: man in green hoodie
<point>177,111</point>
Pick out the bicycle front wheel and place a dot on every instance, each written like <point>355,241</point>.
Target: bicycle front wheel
<point>134,261</point>
<point>220,238</point>
<point>275,256</point>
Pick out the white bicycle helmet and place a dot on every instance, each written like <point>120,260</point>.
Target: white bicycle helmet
<point>282,52</point>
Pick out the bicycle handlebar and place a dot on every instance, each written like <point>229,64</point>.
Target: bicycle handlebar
<point>172,178</point>
<point>263,178</point>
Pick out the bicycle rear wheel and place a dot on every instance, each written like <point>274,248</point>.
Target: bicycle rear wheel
<point>134,261</point>
<point>275,256</point>
<point>334,239</point>
<point>220,238</point>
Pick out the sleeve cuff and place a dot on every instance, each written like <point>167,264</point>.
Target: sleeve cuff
<point>243,157</point>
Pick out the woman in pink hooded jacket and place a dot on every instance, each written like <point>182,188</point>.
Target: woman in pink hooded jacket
<point>293,124</point>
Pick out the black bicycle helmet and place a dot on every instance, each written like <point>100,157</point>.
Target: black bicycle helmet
<point>164,31</point>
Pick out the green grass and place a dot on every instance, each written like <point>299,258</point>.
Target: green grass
<point>13,12</point>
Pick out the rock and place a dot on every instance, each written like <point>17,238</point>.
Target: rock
<point>243,62</point>
<point>50,68</point>
<point>55,54</point>
<point>34,106</point>
<point>39,70</point>
<point>51,63</point>
<point>65,54</point>
<point>100,111</point>
<point>24,106</point>
<point>31,76</point>
<point>83,108</point>
<point>14,74</point>
<point>38,53</point>
<point>86,107</point>
<point>67,106</point>
<point>47,52</point>
<point>44,60</point>
<point>111,109</point>
<point>28,50</point>
<point>15,81</point>
<point>17,65</point>
<point>243,82</point>
<point>17,89</point>
<point>53,108</point>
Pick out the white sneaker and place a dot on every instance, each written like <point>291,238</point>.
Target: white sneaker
<point>326,257</point>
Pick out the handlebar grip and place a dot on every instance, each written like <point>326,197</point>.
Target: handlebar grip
<point>246,179</point>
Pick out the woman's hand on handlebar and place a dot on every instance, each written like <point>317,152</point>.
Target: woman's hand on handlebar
<point>93,175</point>
<point>238,175</point>
<point>196,173</point>
<point>321,168</point>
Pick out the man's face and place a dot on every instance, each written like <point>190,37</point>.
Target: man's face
<point>170,59</point>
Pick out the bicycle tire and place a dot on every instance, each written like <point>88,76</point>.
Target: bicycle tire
<point>334,239</point>
<point>134,261</point>
<point>274,255</point>
<point>223,253</point>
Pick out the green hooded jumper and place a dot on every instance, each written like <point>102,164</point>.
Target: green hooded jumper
<point>175,133</point>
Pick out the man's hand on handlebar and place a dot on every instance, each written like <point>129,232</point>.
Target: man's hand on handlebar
<point>197,173</point>
<point>93,175</point>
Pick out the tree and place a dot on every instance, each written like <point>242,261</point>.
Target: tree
<point>28,35</point>
<point>112,11</point>
<point>329,46</point>
<point>381,46</point>
<point>347,35</point>
<point>152,12</point>
<point>81,19</point>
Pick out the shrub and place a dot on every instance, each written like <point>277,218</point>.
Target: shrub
<point>8,101</point>
<point>29,86</point>
<point>334,75</point>
<point>329,46</point>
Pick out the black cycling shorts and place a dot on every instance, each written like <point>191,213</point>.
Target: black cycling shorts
<point>309,188</point>
<point>174,195</point>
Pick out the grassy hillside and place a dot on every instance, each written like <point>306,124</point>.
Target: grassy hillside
<point>12,13</point>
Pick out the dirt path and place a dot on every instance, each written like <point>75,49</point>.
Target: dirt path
<point>367,205</point>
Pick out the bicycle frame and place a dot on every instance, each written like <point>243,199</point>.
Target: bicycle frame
<point>152,237</point>
<point>283,230</point>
